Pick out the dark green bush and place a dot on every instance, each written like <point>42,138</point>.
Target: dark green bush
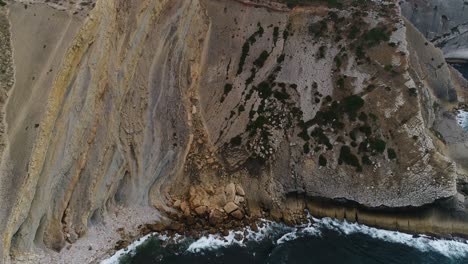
<point>348,157</point>
<point>227,88</point>
<point>322,161</point>
<point>236,141</point>
<point>391,153</point>
<point>260,61</point>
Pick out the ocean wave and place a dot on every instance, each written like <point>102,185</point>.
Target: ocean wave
<point>448,248</point>
<point>280,234</point>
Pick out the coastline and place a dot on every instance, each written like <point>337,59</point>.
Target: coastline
<point>441,220</point>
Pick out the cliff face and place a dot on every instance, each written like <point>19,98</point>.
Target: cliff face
<point>443,22</point>
<point>219,106</point>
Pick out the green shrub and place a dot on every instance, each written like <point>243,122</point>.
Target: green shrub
<point>306,148</point>
<point>348,157</point>
<point>353,32</point>
<point>366,160</point>
<point>352,104</point>
<point>275,35</point>
<point>264,90</point>
<point>391,153</point>
<point>236,141</point>
<point>376,35</point>
<point>260,61</point>
<point>322,161</point>
<point>227,88</point>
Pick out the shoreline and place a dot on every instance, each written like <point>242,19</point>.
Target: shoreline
<point>439,220</point>
<point>322,210</point>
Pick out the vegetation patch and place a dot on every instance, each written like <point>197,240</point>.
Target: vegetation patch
<point>376,35</point>
<point>391,154</point>
<point>236,141</point>
<point>347,157</point>
<point>260,61</point>
<point>322,161</point>
<point>246,47</point>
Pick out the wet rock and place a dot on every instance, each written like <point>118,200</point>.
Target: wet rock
<point>230,207</point>
<point>119,245</point>
<point>177,227</point>
<point>254,227</point>
<point>238,237</point>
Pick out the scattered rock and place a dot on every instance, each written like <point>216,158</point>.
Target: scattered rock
<point>210,190</point>
<point>230,207</point>
<point>201,210</point>
<point>238,237</point>
<point>239,200</point>
<point>157,227</point>
<point>237,214</point>
<point>239,190</point>
<point>216,217</point>
<point>176,227</point>
<point>230,191</point>
<point>119,245</point>
<point>177,203</point>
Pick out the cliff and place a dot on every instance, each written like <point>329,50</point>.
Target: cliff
<point>445,23</point>
<point>216,109</point>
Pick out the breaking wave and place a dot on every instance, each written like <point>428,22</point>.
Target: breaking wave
<point>280,234</point>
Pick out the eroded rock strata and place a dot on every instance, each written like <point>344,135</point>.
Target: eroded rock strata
<point>218,110</point>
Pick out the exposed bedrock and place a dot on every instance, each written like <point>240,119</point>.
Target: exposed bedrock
<point>443,22</point>
<point>214,108</point>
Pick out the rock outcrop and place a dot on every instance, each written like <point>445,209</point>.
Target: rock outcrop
<point>220,110</point>
<point>445,23</point>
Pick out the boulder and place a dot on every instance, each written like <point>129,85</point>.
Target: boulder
<point>239,200</point>
<point>216,217</point>
<point>237,214</point>
<point>230,207</point>
<point>230,191</point>
<point>239,190</point>
<point>201,210</point>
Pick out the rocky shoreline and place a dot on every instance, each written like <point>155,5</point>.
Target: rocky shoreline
<point>443,219</point>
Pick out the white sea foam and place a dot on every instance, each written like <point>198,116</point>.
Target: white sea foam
<point>448,248</point>
<point>462,119</point>
<point>115,258</point>
<point>315,227</point>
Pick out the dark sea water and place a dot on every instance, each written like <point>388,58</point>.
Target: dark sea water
<point>463,68</point>
<point>323,241</point>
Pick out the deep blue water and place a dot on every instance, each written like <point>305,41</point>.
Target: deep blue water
<point>325,241</point>
<point>463,68</point>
